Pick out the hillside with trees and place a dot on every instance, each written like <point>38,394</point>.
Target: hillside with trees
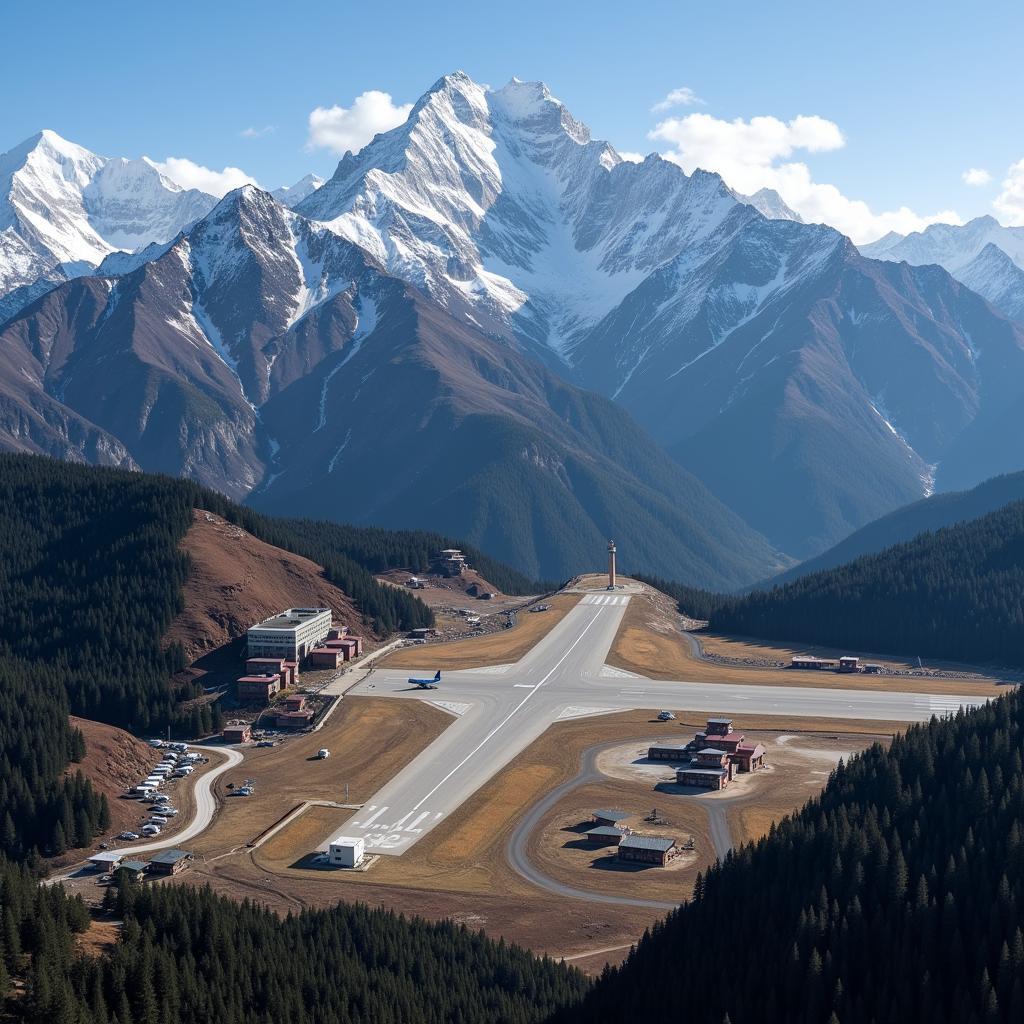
<point>91,576</point>
<point>188,956</point>
<point>897,895</point>
<point>43,807</point>
<point>957,593</point>
<point>932,513</point>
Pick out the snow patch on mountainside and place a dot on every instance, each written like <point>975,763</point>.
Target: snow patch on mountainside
<point>365,326</point>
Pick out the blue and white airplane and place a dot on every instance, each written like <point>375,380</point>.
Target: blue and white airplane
<point>426,684</point>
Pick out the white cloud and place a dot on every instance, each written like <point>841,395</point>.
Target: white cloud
<point>751,155</point>
<point>1010,202</point>
<point>633,158</point>
<point>189,174</point>
<point>681,97</point>
<point>341,129</point>
<point>257,133</point>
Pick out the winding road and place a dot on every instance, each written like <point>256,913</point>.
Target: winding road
<point>206,804</point>
<point>521,863</point>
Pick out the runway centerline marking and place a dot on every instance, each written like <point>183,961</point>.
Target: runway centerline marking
<point>510,715</point>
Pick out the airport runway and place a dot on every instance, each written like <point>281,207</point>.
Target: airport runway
<point>500,710</point>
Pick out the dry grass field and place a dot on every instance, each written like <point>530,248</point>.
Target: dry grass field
<point>494,649</point>
<point>460,869</point>
<point>370,740</point>
<point>649,643</point>
<point>303,834</point>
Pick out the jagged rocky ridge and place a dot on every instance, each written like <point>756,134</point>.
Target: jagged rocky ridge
<point>812,389</point>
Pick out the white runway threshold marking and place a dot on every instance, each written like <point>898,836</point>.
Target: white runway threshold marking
<point>579,711</point>
<point>509,716</point>
<point>369,821</point>
<point>607,672</point>
<point>605,599</point>
<point>453,707</point>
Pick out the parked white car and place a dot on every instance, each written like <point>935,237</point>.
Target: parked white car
<point>151,830</point>
<point>127,836</point>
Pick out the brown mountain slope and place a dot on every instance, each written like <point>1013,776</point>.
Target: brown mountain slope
<point>114,760</point>
<point>237,580</point>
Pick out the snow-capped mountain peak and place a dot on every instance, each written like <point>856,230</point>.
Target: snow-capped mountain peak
<point>950,245</point>
<point>502,199</point>
<point>64,208</point>
<point>964,250</point>
<point>770,204</point>
<point>291,195</point>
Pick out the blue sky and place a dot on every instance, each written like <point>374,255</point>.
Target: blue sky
<point>916,93</point>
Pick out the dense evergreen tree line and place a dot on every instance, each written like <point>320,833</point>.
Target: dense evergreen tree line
<point>957,593</point>
<point>90,578</point>
<point>38,925</point>
<point>379,550</point>
<point>42,809</point>
<point>188,956</point>
<point>898,895</point>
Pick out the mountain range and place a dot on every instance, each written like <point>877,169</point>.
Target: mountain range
<point>489,324</point>
<point>910,521</point>
<point>983,254</point>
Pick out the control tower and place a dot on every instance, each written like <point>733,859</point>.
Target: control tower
<point>611,563</point>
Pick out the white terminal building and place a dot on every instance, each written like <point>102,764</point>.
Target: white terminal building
<point>290,634</point>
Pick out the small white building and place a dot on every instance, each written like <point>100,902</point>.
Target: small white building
<point>345,852</point>
<point>290,634</point>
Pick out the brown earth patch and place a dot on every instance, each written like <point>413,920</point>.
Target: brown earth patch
<point>502,648</point>
<point>115,760</point>
<point>370,740</point>
<point>649,642</point>
<point>304,833</point>
<point>100,937</point>
<point>237,580</point>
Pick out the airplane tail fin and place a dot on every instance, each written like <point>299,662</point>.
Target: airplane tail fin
<point>437,678</point>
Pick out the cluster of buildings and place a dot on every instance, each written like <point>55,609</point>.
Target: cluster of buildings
<point>166,862</point>
<point>712,757</point>
<point>339,647</point>
<point>609,829</point>
<point>277,647</point>
<point>452,562</point>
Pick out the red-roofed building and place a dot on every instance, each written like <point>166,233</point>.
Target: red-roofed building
<point>326,657</point>
<point>293,719</point>
<point>258,688</point>
<point>749,757</point>
<point>728,742</point>
<point>714,755</point>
